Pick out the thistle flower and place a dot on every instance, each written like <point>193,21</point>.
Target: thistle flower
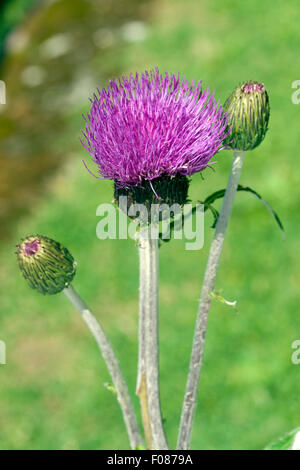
<point>150,126</point>
<point>248,112</point>
<point>45,264</point>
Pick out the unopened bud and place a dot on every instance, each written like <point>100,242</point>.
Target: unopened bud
<point>248,112</point>
<point>47,265</point>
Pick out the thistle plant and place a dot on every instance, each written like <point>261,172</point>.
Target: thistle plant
<point>149,134</point>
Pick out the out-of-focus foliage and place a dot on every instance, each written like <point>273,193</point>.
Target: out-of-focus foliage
<point>12,12</point>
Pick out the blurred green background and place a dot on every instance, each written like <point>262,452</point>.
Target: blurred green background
<point>52,393</point>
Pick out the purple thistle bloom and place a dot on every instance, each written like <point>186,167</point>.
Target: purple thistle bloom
<point>143,127</point>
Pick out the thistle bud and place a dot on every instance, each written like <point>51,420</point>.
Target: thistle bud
<point>47,265</point>
<point>248,112</point>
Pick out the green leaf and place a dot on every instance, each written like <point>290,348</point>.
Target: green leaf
<point>214,212</point>
<point>219,194</point>
<point>206,205</point>
<point>265,203</point>
<point>287,442</point>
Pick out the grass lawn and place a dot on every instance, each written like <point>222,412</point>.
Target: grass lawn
<point>52,390</point>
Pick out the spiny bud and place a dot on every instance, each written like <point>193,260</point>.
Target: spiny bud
<point>47,265</point>
<point>248,112</point>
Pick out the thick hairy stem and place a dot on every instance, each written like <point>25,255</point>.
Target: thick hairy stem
<point>112,365</point>
<point>141,386</point>
<point>148,370</point>
<point>189,403</point>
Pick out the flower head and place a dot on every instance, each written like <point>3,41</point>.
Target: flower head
<point>248,112</point>
<point>46,264</point>
<point>150,125</point>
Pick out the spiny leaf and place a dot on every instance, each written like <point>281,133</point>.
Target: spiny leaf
<point>214,212</point>
<point>265,203</point>
<point>206,205</point>
<point>219,194</point>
